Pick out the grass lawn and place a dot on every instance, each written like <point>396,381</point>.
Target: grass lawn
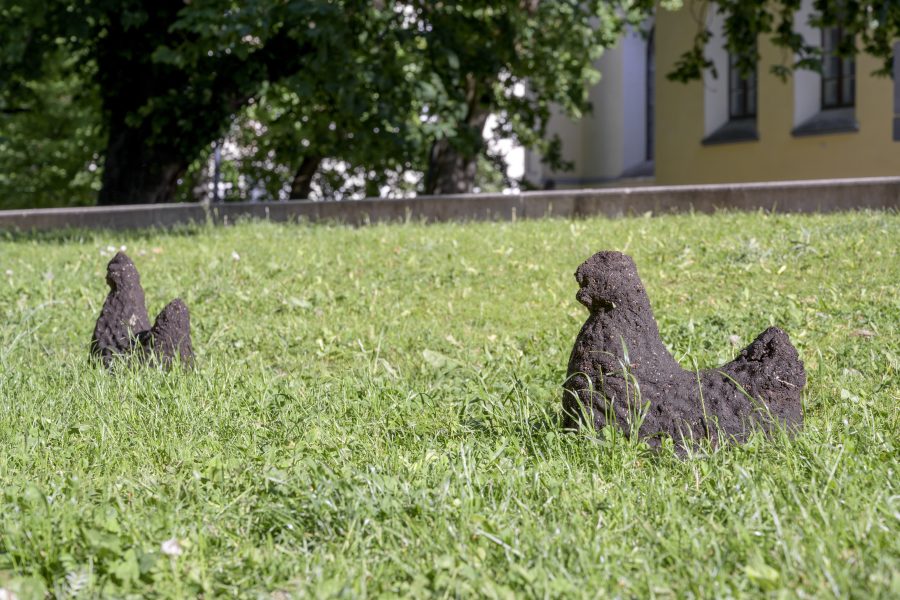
<point>375,412</point>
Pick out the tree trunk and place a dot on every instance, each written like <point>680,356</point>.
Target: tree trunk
<point>303,177</point>
<point>162,115</point>
<point>453,164</point>
<point>372,189</point>
<point>449,170</point>
<point>137,173</point>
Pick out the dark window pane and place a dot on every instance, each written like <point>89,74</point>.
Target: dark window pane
<point>832,39</point>
<point>837,71</point>
<point>737,103</point>
<point>741,91</point>
<point>848,91</point>
<point>830,93</point>
<point>650,99</point>
<point>831,66</point>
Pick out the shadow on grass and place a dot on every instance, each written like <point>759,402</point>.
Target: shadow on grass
<point>59,237</point>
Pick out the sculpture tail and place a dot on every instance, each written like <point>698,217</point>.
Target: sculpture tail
<point>769,369</point>
<point>170,336</point>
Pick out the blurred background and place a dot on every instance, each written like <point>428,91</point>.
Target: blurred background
<point>131,101</point>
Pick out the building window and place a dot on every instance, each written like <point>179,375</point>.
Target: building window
<point>838,72</point>
<point>729,97</point>
<point>896,77</point>
<point>649,86</point>
<point>741,91</point>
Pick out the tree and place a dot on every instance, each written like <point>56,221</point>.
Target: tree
<point>514,59</point>
<point>364,117</point>
<point>171,75</point>
<point>50,141</point>
<point>422,90</point>
<point>378,88</point>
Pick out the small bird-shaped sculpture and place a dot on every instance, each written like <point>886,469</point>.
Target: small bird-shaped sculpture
<point>124,314</point>
<point>123,327</point>
<point>620,371</point>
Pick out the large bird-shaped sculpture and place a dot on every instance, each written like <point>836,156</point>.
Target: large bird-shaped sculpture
<point>620,372</point>
<point>123,327</point>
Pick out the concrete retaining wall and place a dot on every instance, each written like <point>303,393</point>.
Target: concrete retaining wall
<point>793,196</point>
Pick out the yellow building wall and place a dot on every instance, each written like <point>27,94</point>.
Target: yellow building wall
<point>777,155</point>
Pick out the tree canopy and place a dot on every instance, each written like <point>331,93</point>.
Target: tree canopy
<point>170,74</point>
<point>125,97</point>
<point>51,140</point>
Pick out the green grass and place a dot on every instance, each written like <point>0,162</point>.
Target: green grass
<point>375,412</point>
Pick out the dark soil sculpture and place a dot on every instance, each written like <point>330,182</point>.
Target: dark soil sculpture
<point>124,313</point>
<point>123,327</point>
<point>621,372</point>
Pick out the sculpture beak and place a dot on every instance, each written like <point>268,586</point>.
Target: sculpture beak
<point>584,296</point>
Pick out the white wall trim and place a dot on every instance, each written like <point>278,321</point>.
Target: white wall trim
<point>715,89</point>
<point>807,84</point>
<point>634,92</point>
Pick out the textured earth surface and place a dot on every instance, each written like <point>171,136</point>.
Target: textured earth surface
<point>123,327</point>
<point>621,372</point>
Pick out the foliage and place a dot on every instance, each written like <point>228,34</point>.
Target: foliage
<point>870,26</point>
<point>49,141</point>
<point>359,109</point>
<point>427,72</point>
<point>514,59</point>
<point>375,413</point>
<point>171,75</point>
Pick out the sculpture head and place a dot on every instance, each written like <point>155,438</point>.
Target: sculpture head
<point>121,274</point>
<point>609,279</point>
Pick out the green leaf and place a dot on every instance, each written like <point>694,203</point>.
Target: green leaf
<point>762,574</point>
<point>436,359</point>
<point>127,570</point>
